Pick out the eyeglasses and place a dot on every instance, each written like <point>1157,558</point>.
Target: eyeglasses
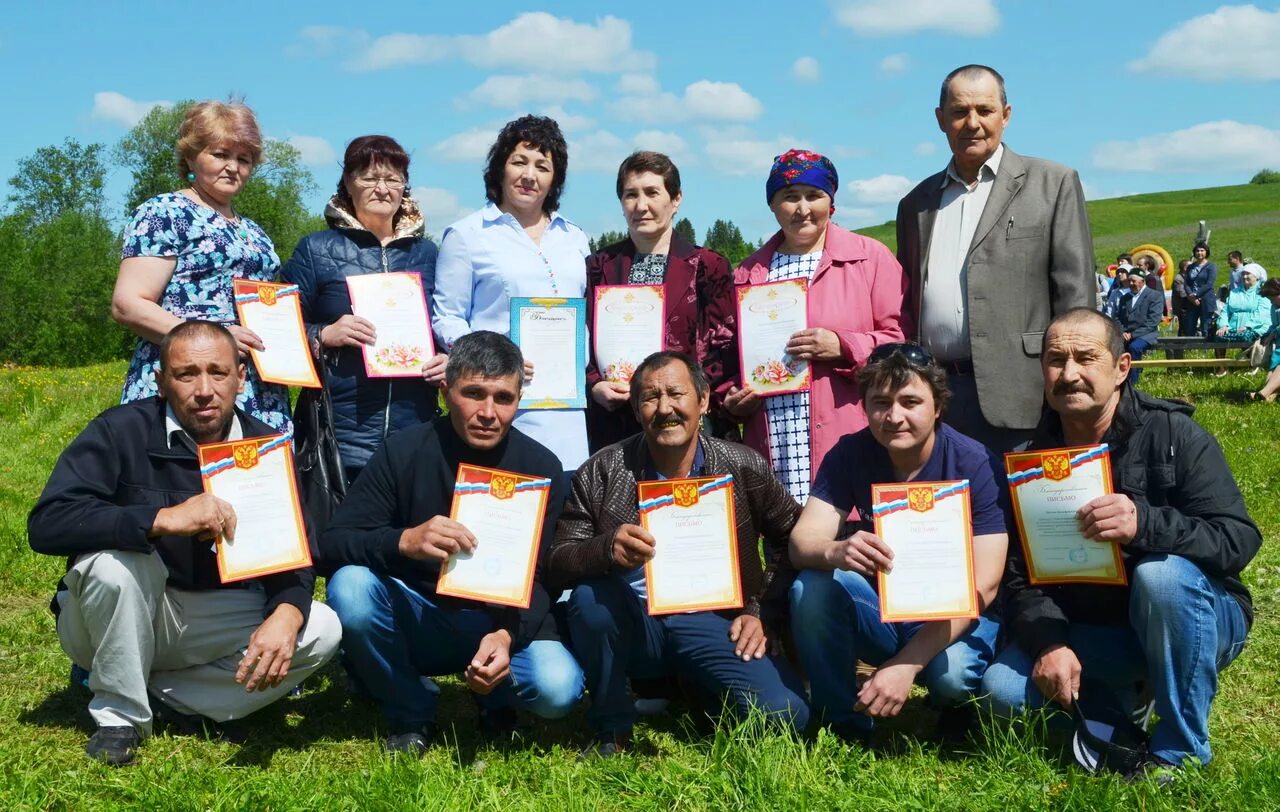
<point>370,182</point>
<point>914,353</point>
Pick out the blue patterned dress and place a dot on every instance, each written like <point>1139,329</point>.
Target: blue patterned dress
<point>210,252</point>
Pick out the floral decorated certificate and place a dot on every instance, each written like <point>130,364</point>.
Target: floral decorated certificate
<point>552,334</point>
<point>929,529</point>
<point>256,477</point>
<point>274,313</point>
<point>505,512</point>
<point>768,315</point>
<point>630,325</point>
<point>695,561</point>
<point>394,302</point>
<point>1048,488</point>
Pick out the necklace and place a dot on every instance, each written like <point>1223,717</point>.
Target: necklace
<point>234,220</point>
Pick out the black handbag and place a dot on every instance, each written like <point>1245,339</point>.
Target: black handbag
<point>321,479</point>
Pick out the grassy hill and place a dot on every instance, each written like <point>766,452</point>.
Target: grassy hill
<point>1245,217</point>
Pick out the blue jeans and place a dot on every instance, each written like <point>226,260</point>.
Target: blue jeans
<point>392,636</point>
<point>1137,348</point>
<point>1184,628</point>
<point>835,621</point>
<point>616,638</point>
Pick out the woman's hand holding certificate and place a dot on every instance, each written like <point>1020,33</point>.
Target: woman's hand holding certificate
<point>273,314</point>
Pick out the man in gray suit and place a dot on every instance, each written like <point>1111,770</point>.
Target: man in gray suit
<point>995,246</point>
<point>1141,310</point>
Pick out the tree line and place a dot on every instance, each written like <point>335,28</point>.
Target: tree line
<point>723,237</point>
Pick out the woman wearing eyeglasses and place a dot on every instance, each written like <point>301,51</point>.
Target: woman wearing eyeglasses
<point>856,288</point>
<point>374,227</point>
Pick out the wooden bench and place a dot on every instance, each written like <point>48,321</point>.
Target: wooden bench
<point>1175,347</point>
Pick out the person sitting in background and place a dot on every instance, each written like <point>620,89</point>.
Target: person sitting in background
<point>835,616</point>
<point>1245,314</point>
<point>600,551</point>
<point>1271,292</point>
<point>1184,536</point>
<point>142,607</point>
<point>392,535</point>
<point>1140,312</point>
<point>1119,288</point>
<point>1149,269</point>
<point>1258,271</point>
<point>374,227</point>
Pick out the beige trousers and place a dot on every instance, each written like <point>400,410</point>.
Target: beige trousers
<point>119,620</point>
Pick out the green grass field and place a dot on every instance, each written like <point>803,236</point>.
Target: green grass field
<point>320,750</point>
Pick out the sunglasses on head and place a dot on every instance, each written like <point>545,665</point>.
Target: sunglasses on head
<point>914,353</point>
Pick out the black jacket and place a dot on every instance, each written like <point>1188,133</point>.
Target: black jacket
<point>411,480</point>
<point>112,480</point>
<point>365,410</point>
<point>1188,505</point>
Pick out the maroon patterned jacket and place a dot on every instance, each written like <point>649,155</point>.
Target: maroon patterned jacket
<point>701,321</point>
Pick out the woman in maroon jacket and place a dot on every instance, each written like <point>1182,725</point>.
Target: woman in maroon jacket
<point>697,285</point>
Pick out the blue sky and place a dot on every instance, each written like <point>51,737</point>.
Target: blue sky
<point>1138,96</point>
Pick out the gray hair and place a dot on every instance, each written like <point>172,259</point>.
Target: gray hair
<point>484,353</point>
<point>972,72</point>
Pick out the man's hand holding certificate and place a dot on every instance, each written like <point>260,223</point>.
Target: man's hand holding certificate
<point>1069,520</point>
<point>694,566</point>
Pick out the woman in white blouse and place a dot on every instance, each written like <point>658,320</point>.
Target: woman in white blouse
<point>518,245</point>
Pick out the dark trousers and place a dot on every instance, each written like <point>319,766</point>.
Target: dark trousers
<point>615,638</point>
<point>1199,319</point>
<point>1137,347</point>
<point>964,414</point>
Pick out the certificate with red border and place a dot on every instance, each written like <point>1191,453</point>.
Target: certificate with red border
<point>1048,488</point>
<point>505,512</point>
<point>695,563</point>
<point>928,526</point>
<point>396,305</point>
<point>630,324</point>
<point>274,312</point>
<point>768,315</point>
<point>256,478</point>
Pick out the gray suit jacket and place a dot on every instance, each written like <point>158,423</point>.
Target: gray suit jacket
<point>1142,321</point>
<point>1031,259</point>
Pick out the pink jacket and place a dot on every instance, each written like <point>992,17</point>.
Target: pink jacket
<point>857,293</point>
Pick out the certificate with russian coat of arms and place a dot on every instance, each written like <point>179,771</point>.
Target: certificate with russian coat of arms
<point>768,315</point>
<point>929,527</point>
<point>630,325</point>
<point>505,512</point>
<point>256,478</point>
<point>1047,489</point>
<point>695,562</point>
<point>275,314</point>
<point>396,305</point>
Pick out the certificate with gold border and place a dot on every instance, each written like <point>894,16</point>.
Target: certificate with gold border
<point>396,305</point>
<point>505,512</point>
<point>928,526</point>
<point>1047,489</point>
<point>552,335</point>
<point>256,478</point>
<point>695,563</point>
<point>275,314</point>
<point>768,315</point>
<point>630,325</point>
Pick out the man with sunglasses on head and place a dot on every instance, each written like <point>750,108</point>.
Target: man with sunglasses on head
<point>835,617</point>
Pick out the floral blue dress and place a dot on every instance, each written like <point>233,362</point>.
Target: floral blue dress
<point>210,251</point>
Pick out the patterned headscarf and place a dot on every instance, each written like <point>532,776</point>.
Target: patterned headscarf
<point>801,166</point>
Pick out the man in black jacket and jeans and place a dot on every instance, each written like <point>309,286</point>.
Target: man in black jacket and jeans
<point>1184,535</point>
<point>141,606</point>
<point>392,535</point>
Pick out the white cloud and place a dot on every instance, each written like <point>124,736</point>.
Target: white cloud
<point>440,207</point>
<point>521,91</point>
<point>737,151</point>
<point>1215,146</point>
<point>602,151</point>
<point>925,148</point>
<point>858,217</point>
<point>569,122</point>
<point>532,41</point>
<point>806,69</point>
<point>637,84</point>
<point>702,101</point>
<point>468,145</point>
<point>895,63</point>
<point>315,151</point>
<point>1234,42</point>
<point>879,18</point>
<point>881,188</point>
<point>119,108</point>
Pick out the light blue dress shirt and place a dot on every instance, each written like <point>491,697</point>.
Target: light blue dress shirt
<point>486,258</point>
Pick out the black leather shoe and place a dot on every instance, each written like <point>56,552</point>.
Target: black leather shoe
<point>114,745</point>
<point>411,742</point>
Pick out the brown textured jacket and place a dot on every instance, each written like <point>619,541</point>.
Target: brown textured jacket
<point>603,498</point>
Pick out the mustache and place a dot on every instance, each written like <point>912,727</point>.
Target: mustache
<point>1061,388</point>
<point>664,422</point>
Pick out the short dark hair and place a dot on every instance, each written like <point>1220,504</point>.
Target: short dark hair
<point>487,354</point>
<point>368,151</point>
<point>1236,255</point>
<point>895,371</point>
<point>1204,245</point>
<point>1115,338</point>
<point>972,72</point>
<point>195,328</point>
<point>657,361</point>
<point>1125,257</point>
<point>541,133</point>
<point>639,162</point>
<point>1270,288</point>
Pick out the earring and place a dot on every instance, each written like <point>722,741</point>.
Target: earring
<point>191,177</point>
